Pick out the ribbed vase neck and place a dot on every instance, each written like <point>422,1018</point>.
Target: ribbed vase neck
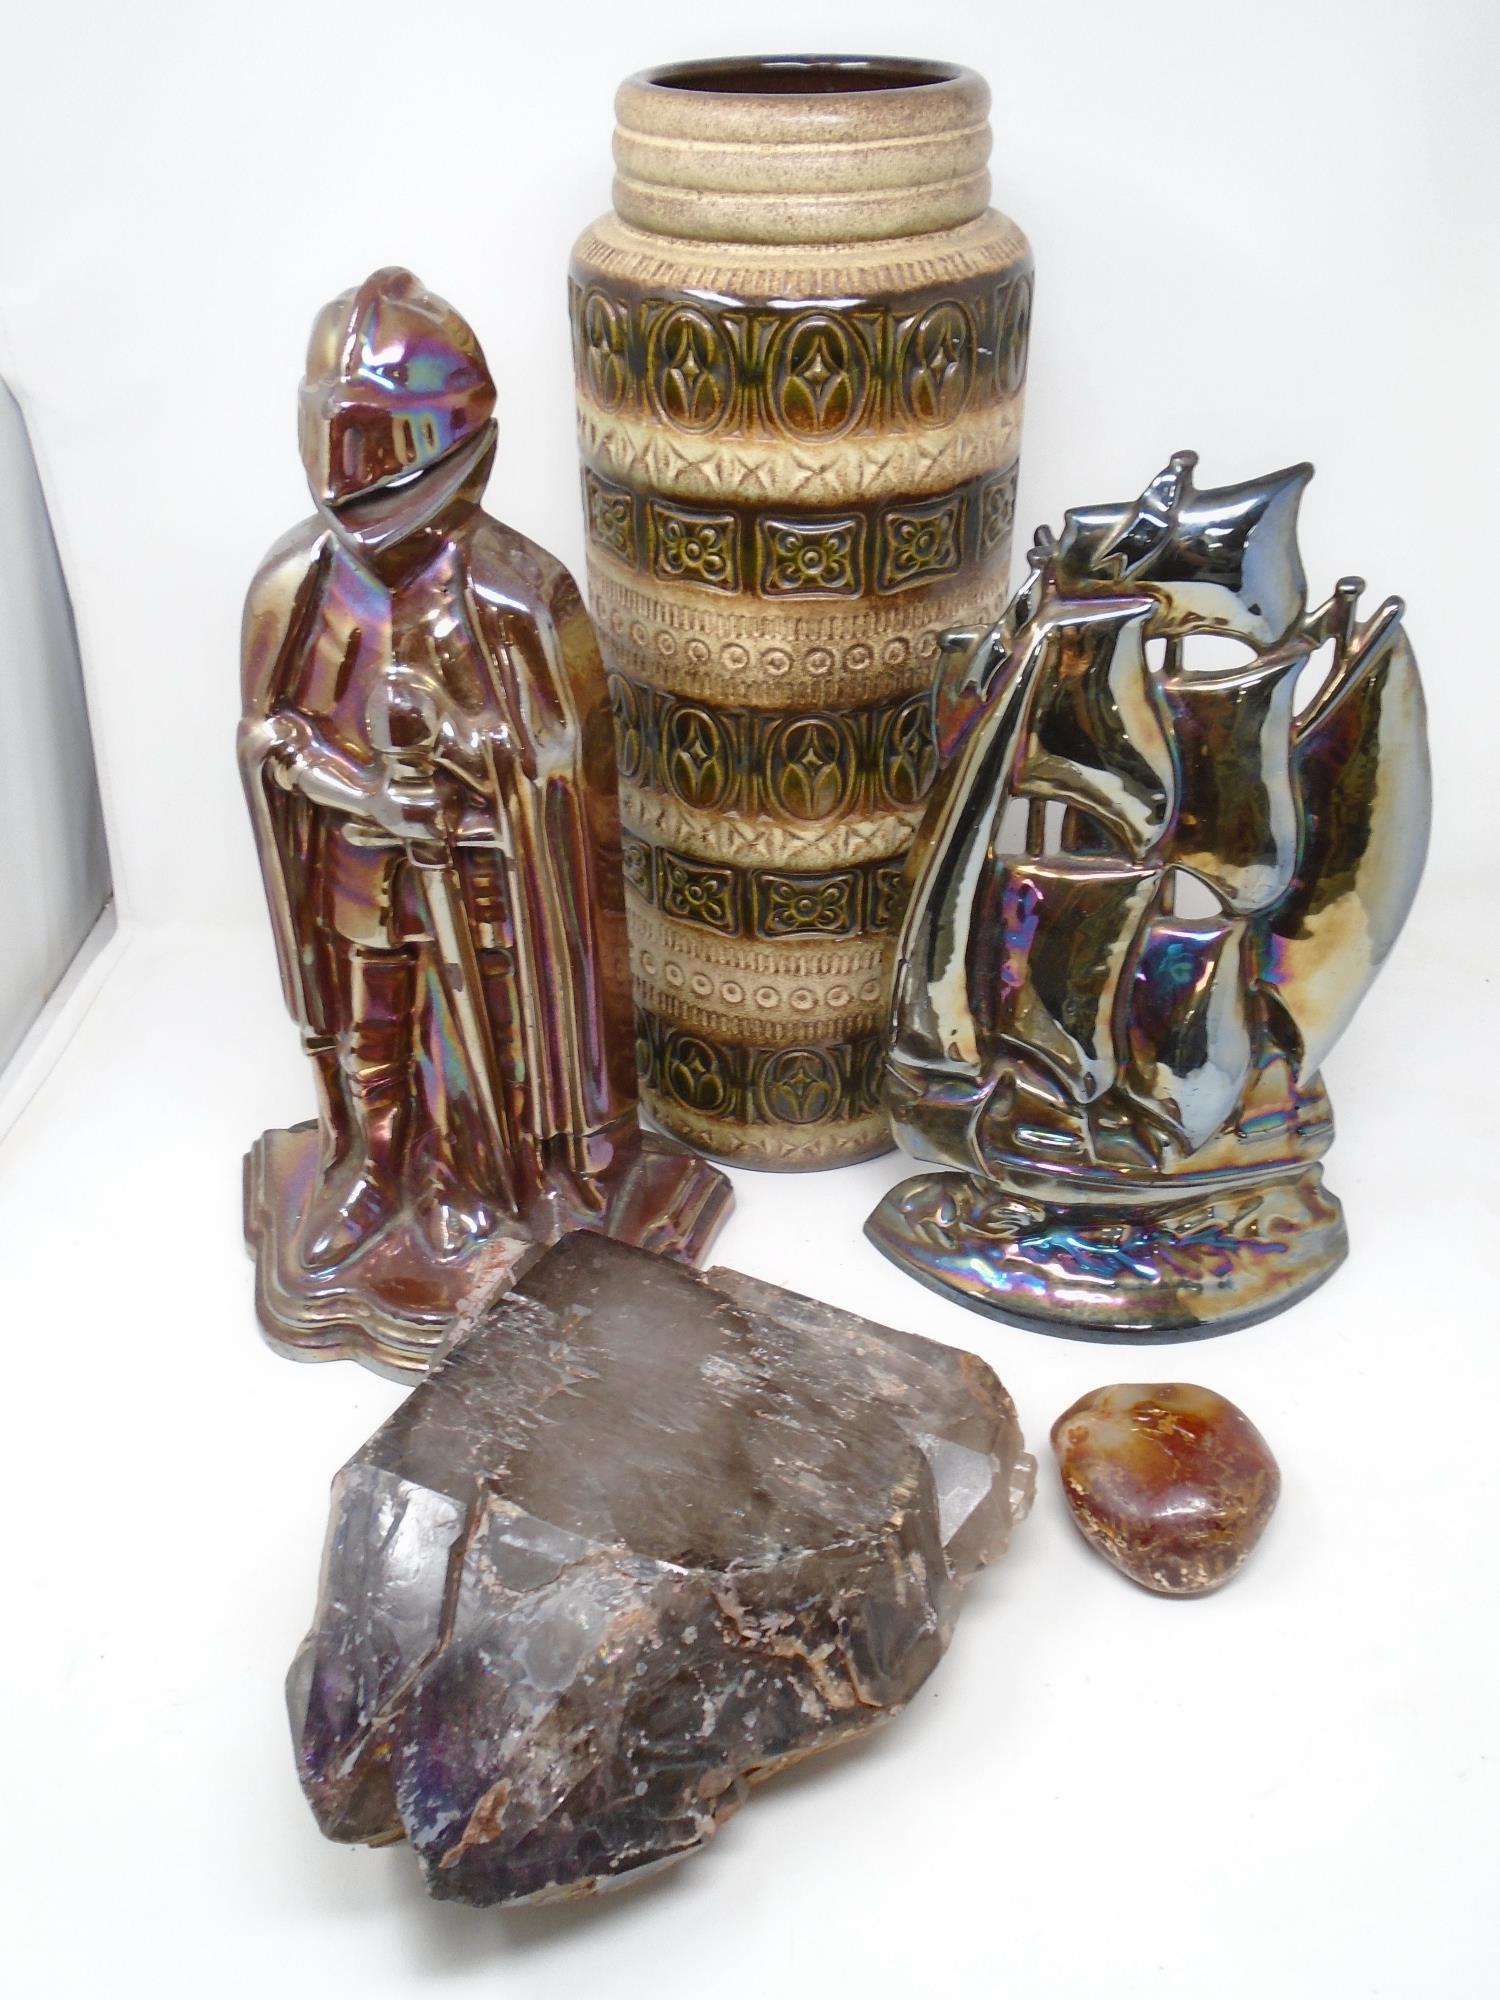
<point>802,149</point>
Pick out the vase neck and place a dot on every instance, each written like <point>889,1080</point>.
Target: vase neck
<point>806,149</point>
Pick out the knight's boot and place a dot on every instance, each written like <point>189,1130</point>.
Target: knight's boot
<point>454,1217</point>
<point>335,1129</point>
<point>363,1187</point>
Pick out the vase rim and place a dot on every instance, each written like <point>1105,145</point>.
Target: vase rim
<point>815,76</point>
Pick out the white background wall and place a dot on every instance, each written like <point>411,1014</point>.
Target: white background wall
<point>1266,231</point>
<point>54,874</point>
<point>1262,230</point>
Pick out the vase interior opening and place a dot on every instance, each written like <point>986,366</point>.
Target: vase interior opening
<point>801,76</point>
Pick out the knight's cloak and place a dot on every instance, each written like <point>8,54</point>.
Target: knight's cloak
<point>497,626</point>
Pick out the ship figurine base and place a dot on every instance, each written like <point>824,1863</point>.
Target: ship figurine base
<point>399,1302</point>
<point>1133,1273</point>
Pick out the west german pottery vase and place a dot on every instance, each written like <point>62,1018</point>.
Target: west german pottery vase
<point>800,343</point>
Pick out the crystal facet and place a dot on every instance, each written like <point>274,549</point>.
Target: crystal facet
<point>643,1538</point>
<point>1171,1483</point>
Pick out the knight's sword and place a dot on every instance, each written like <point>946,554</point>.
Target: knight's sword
<point>404,727</point>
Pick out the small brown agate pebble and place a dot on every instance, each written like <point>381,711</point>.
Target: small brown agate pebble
<point>1171,1483</point>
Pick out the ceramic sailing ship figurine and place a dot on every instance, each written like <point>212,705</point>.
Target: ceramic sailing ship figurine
<point>427,749</point>
<point>1150,890</point>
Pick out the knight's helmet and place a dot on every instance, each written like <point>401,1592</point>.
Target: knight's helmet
<point>395,379</point>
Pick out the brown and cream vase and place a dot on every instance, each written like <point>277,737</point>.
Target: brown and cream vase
<point>800,343</point>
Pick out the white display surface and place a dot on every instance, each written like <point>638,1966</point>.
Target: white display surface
<point>1266,233</point>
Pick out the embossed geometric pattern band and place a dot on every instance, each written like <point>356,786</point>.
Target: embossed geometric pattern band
<point>764,903</point>
<point>801,765</point>
<point>819,1084</point>
<point>786,552</point>
<point>696,466</point>
<point>812,653</point>
<point>801,371</point>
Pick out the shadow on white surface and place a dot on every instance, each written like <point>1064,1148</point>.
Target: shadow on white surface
<point>47,1038</point>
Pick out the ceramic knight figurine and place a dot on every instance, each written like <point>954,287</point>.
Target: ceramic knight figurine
<point>427,750</point>
<point>1152,886</point>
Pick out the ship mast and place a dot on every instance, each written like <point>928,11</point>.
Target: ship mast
<point>1171,667</point>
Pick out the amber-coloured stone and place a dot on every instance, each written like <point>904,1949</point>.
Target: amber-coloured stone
<point>1171,1483</point>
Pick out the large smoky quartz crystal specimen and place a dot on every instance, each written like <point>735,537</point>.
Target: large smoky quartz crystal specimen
<point>641,1539</point>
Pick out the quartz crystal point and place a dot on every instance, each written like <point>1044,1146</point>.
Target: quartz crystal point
<point>1170,1482</point>
<point>641,1539</point>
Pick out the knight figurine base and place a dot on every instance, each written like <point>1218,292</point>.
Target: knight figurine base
<point>1183,1269</point>
<point>398,1303</point>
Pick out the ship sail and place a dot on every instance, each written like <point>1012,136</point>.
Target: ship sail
<point>955,865</point>
<point>1361,771</point>
<point>1052,942</point>
<point>930,1022</point>
<point>1237,821</point>
<point>1096,736</point>
<point>1225,560</point>
<point>970,661</point>
<point>1188,1037</point>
